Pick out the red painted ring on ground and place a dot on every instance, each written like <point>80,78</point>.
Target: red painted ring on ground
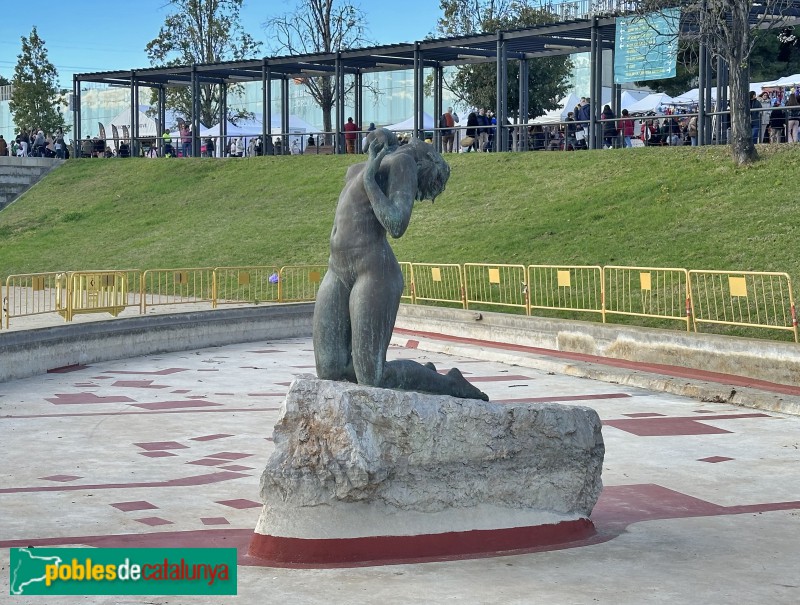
<point>381,550</point>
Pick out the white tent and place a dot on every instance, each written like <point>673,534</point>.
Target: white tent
<point>630,97</point>
<point>249,129</point>
<point>428,123</point>
<point>654,102</point>
<point>554,116</point>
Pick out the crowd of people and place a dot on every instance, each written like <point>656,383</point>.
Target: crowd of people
<point>35,143</point>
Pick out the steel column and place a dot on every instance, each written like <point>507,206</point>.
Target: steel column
<point>592,84</point>
<point>285,114</point>
<point>501,110</point>
<point>702,79</point>
<point>524,105</point>
<point>438,110</point>
<point>359,94</point>
<point>417,79</point>
<point>338,99</point>
<point>133,114</point>
<point>268,111</point>
<point>76,117</point>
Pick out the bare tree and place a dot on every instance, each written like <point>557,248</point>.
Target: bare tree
<point>318,27</point>
<point>730,29</point>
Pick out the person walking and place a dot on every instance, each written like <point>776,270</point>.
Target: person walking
<point>3,146</point>
<point>609,127</point>
<point>446,123</point>
<point>350,135</point>
<point>626,127</point>
<point>792,118</point>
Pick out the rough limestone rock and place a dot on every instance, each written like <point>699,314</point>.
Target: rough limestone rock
<point>352,460</point>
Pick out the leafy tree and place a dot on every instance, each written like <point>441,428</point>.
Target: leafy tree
<point>319,27</point>
<point>35,99</point>
<point>477,84</point>
<point>201,31</point>
<point>4,81</point>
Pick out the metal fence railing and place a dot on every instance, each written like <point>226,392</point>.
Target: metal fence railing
<point>245,285</point>
<point>176,287</point>
<point>496,285</point>
<point>566,288</point>
<point>648,292</point>
<point>442,284</point>
<point>298,283</point>
<point>30,294</point>
<point>745,298</point>
<point>696,298</point>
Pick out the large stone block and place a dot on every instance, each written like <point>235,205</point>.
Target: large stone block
<point>354,462</point>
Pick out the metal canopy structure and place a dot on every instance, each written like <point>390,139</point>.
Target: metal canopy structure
<point>592,35</point>
<point>582,35</point>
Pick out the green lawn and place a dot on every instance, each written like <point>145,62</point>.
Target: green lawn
<point>665,207</point>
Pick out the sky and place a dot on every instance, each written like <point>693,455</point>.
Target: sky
<point>108,35</point>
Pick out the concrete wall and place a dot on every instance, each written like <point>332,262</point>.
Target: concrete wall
<point>31,352</point>
<point>17,175</point>
<point>760,359</point>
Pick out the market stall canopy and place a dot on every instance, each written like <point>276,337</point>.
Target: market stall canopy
<point>428,123</point>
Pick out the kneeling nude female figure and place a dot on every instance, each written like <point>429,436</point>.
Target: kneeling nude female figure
<point>358,299</point>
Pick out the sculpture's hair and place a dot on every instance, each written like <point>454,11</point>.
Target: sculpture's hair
<point>381,139</point>
<point>432,171</point>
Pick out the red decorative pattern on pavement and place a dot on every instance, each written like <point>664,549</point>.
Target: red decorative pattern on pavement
<point>175,405</point>
<point>157,454</point>
<point>180,482</point>
<point>211,437</point>
<point>644,415</point>
<point>127,507</point>
<point>161,445</point>
<point>715,459</point>
<point>239,503</point>
<point>229,455</point>
<point>166,372</point>
<point>207,462</point>
<point>62,478</point>
<point>237,467</point>
<point>81,398</point>
<point>561,397</point>
<point>214,521</point>
<point>154,521</point>
<point>660,427</point>
<point>139,384</point>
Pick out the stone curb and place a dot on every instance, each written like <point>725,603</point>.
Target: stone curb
<point>686,387</point>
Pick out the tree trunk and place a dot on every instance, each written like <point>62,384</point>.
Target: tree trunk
<point>742,148</point>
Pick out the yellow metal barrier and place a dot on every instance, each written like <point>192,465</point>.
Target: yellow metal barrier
<point>566,288</point>
<point>648,292</point>
<point>743,298</point>
<point>437,283</point>
<point>32,294</point>
<point>298,283</point>
<point>408,283</point>
<point>176,287</point>
<point>496,285</point>
<point>240,285</point>
<point>98,292</point>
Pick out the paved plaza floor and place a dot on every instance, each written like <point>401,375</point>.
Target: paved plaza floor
<point>701,501</point>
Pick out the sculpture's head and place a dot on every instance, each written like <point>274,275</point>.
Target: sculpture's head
<point>432,170</point>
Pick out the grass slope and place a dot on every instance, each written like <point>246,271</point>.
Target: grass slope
<point>685,207</point>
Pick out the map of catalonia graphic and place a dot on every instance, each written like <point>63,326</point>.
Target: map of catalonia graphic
<point>29,569</point>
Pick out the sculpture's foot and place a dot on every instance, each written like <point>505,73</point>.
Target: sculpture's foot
<point>430,366</point>
<point>461,387</point>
